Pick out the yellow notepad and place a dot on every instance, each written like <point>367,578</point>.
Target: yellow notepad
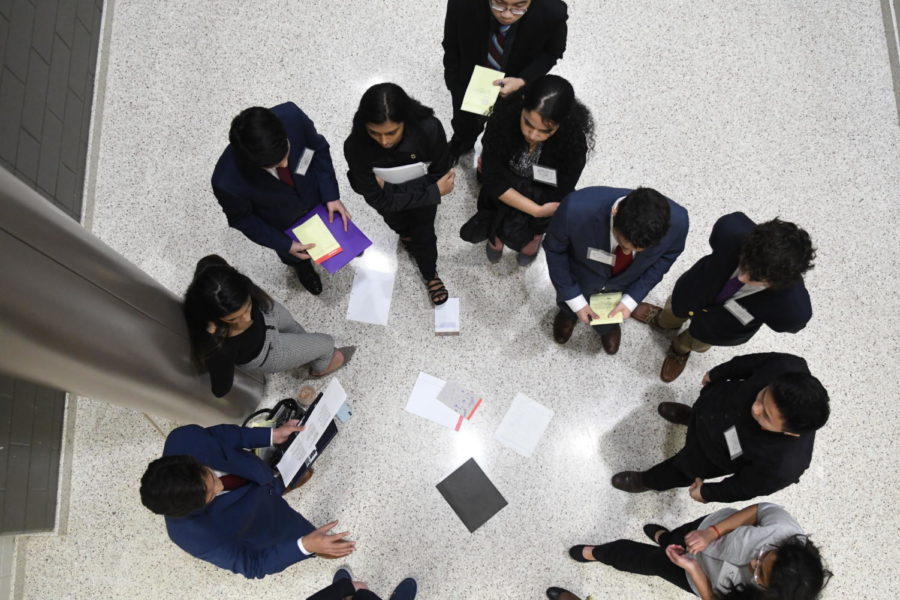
<point>481,92</point>
<point>603,304</point>
<point>314,231</point>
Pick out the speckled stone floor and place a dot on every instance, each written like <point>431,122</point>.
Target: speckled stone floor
<point>772,108</point>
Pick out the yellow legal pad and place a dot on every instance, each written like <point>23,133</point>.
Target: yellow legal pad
<point>314,231</point>
<point>603,304</point>
<point>481,92</point>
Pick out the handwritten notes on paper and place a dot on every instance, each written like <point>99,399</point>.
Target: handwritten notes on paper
<point>603,304</point>
<point>481,94</point>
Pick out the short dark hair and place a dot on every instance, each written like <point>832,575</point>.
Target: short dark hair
<point>778,253</point>
<point>642,217</point>
<point>797,573</point>
<point>174,486</point>
<point>258,137</point>
<point>802,401</point>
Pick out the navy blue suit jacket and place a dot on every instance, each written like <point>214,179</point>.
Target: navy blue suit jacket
<point>250,530</point>
<point>784,310</point>
<point>582,221</point>
<point>261,206</point>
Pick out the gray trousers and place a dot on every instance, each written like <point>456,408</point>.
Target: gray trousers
<point>288,346</point>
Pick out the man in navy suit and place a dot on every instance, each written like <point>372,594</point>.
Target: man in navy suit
<point>605,239</point>
<point>224,505</point>
<point>276,169</point>
<point>754,276</point>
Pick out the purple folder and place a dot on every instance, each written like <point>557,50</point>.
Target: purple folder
<point>353,241</point>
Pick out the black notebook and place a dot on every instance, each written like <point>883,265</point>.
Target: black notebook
<point>471,495</point>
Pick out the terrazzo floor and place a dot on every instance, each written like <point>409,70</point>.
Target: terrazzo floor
<point>773,108</point>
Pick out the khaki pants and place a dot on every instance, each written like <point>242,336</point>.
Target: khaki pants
<point>685,342</point>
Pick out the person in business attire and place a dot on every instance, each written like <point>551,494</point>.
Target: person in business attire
<point>604,239</point>
<point>535,149</point>
<point>276,169</point>
<point>753,277</point>
<point>755,420</point>
<point>521,38</point>
<point>390,129</point>
<point>231,322</point>
<point>224,505</point>
<point>344,586</point>
<point>757,552</point>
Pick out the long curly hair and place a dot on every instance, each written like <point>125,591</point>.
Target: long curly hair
<point>554,99</point>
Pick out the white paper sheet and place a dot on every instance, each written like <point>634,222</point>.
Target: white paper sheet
<point>523,425</point>
<point>370,296</point>
<point>305,441</point>
<point>401,174</point>
<point>446,317</point>
<point>423,402</point>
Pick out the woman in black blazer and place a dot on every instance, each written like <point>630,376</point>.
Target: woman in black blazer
<point>390,129</point>
<point>535,148</point>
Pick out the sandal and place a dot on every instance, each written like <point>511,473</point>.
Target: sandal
<point>437,291</point>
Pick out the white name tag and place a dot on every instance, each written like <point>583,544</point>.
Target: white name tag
<point>602,256</point>
<point>740,313</point>
<point>734,444</point>
<point>305,159</point>
<point>544,174</point>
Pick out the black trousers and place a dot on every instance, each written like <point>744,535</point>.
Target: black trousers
<point>466,126</point>
<point>647,559</point>
<point>600,329</point>
<point>292,261</point>
<point>681,470</point>
<point>418,224</point>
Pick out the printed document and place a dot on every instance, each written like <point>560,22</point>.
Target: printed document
<point>523,425</point>
<point>603,304</point>
<point>481,94</point>
<point>314,231</point>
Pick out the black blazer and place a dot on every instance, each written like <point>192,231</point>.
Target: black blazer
<point>539,40</point>
<point>424,141</point>
<point>785,310</point>
<point>770,461</point>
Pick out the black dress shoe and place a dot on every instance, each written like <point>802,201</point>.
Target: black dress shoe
<point>309,279</point>
<point>629,481</point>
<point>576,553</point>
<point>675,412</point>
<point>555,593</point>
<point>651,529</point>
<point>563,326</point>
<point>610,340</point>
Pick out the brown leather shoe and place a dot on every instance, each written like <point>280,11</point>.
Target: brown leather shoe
<point>629,481</point>
<point>563,326</point>
<point>646,313</point>
<point>303,479</point>
<point>673,365</point>
<point>675,412</point>
<point>611,339</point>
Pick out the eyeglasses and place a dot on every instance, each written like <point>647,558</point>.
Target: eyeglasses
<point>501,8</point>
<point>758,570</point>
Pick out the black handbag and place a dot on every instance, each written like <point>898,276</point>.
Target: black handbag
<point>284,411</point>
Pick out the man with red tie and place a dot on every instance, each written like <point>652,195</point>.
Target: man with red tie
<point>604,240</point>
<point>224,505</point>
<point>753,277</point>
<point>276,169</point>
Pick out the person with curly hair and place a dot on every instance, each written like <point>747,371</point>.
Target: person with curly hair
<point>759,552</point>
<point>535,147</point>
<point>390,129</point>
<point>753,277</point>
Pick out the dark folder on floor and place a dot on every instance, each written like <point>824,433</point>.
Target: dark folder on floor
<point>471,495</point>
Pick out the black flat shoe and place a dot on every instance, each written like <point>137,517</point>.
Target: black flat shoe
<point>309,279</point>
<point>576,552</point>
<point>556,593</point>
<point>651,529</point>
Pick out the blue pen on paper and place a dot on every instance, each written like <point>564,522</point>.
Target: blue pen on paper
<point>344,413</point>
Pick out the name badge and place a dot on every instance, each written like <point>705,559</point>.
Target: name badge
<point>734,444</point>
<point>602,256</point>
<point>739,312</point>
<point>544,174</point>
<point>305,160</point>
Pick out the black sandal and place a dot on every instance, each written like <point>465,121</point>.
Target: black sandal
<point>437,291</point>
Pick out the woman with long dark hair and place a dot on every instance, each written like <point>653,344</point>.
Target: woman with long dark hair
<point>391,130</point>
<point>758,552</point>
<point>535,147</point>
<point>233,322</point>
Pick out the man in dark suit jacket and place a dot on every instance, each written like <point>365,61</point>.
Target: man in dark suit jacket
<point>754,276</point>
<point>605,239</point>
<point>276,169</point>
<point>755,420</point>
<point>223,504</point>
<point>521,38</point>
<point>344,587</point>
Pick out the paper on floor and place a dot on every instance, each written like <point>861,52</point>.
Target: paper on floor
<point>423,401</point>
<point>523,425</point>
<point>446,317</point>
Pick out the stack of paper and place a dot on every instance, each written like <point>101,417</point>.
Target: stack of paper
<point>446,317</point>
<point>523,425</point>
<point>461,400</point>
<point>318,421</point>
<point>314,231</point>
<point>423,401</point>
<point>603,304</point>
<point>401,174</point>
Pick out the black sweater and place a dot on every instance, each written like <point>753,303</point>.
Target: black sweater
<point>236,350</point>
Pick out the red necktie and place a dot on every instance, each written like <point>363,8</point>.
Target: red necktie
<point>231,482</point>
<point>622,261</point>
<point>284,174</point>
